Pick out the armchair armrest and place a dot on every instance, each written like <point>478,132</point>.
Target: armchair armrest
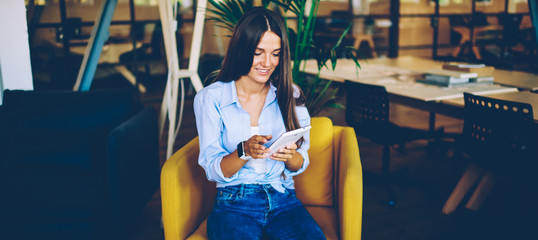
<point>186,194</point>
<point>350,183</point>
<point>132,158</point>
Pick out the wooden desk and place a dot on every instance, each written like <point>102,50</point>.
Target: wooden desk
<point>110,53</point>
<point>410,65</point>
<point>398,76</point>
<point>521,80</point>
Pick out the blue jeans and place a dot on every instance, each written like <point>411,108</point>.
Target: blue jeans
<point>247,211</point>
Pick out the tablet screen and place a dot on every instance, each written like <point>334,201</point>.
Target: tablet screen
<point>288,138</point>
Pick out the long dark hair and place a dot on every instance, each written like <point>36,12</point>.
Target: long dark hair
<point>240,55</point>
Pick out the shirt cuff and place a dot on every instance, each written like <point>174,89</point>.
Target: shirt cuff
<point>220,176</point>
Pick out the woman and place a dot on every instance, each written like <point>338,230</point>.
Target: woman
<point>252,100</point>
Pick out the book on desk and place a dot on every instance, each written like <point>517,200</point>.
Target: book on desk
<point>446,78</point>
<point>467,74</point>
<point>484,73</point>
<point>480,69</point>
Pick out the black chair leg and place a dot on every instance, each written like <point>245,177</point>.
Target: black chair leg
<point>386,176</point>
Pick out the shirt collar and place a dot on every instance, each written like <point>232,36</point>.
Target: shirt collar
<point>229,95</point>
<point>271,95</point>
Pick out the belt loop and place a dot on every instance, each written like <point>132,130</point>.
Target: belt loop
<point>241,190</point>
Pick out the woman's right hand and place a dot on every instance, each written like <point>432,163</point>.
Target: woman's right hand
<point>254,146</point>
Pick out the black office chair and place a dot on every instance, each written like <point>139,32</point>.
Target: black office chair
<point>499,140</point>
<point>497,132</point>
<point>367,111</point>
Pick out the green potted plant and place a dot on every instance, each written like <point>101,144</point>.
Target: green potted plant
<point>319,93</point>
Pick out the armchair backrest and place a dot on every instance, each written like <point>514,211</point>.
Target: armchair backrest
<point>316,185</point>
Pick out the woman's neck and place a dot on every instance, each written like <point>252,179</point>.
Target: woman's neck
<point>251,88</point>
<point>252,97</point>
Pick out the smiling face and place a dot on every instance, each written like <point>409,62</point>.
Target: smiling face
<point>266,58</point>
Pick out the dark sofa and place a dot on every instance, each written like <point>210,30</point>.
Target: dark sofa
<point>75,165</point>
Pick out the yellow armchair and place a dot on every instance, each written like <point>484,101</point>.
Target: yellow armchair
<point>330,188</point>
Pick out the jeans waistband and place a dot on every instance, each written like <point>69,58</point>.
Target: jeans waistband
<point>250,188</point>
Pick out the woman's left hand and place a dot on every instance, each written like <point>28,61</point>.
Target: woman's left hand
<point>285,154</point>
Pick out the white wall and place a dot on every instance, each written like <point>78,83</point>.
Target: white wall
<point>15,68</point>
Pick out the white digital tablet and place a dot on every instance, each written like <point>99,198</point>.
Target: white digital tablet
<point>288,138</point>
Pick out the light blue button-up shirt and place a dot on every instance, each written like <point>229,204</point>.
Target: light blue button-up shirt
<point>222,123</point>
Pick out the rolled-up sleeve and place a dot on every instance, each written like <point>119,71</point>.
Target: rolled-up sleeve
<point>210,128</point>
<point>304,120</point>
